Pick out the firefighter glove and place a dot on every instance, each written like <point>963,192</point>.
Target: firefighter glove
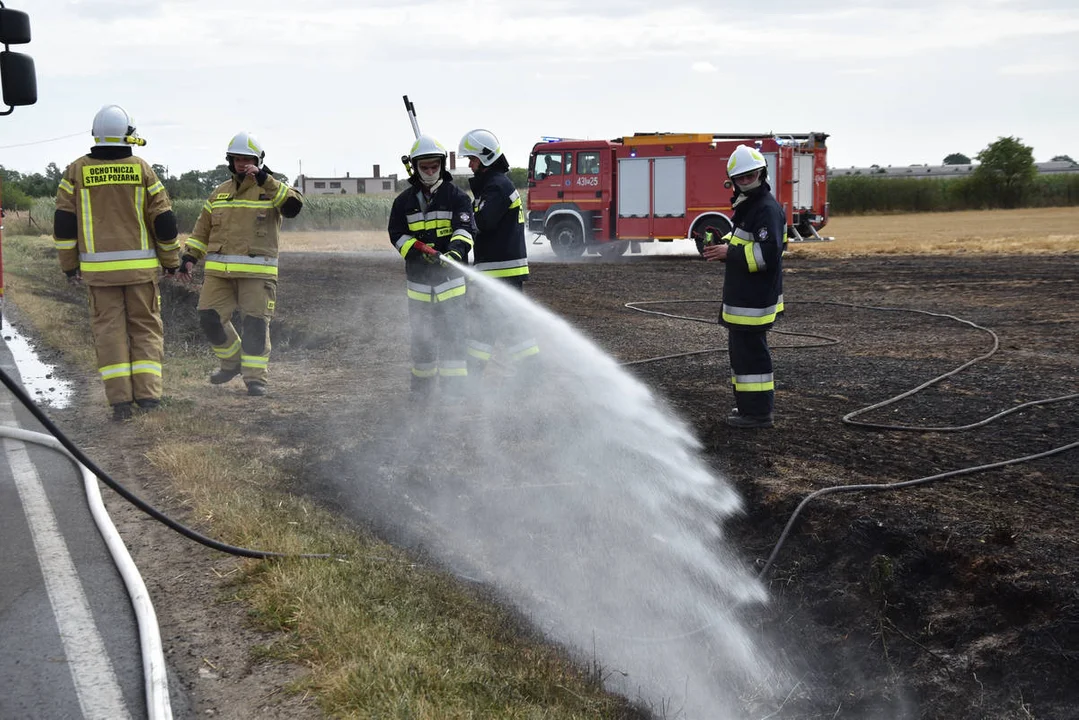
<point>454,255</point>
<point>188,259</point>
<point>71,273</point>
<point>712,236</point>
<point>170,271</point>
<point>261,175</point>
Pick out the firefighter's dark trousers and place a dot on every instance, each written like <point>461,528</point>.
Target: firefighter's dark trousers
<point>129,340</point>
<point>437,315</point>
<point>490,324</point>
<point>256,299</point>
<point>751,372</point>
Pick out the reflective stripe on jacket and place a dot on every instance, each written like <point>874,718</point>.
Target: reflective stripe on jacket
<point>500,221</point>
<point>442,221</point>
<point>753,278</point>
<point>114,202</point>
<point>239,228</point>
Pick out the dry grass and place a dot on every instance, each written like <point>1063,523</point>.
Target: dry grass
<point>995,232</point>
<point>333,241</point>
<point>313,241</point>
<point>378,631</point>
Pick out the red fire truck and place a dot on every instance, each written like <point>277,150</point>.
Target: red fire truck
<point>608,195</point>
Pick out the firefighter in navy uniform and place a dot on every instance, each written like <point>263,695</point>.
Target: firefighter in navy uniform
<point>500,252</point>
<point>114,229</point>
<point>752,286</point>
<point>435,214</point>
<point>237,235</point>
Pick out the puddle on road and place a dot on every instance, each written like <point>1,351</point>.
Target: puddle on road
<point>38,378</point>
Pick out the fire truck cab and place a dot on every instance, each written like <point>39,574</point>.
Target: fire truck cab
<point>606,195</point>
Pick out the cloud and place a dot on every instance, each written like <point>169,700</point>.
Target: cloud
<point>1036,68</point>
<point>319,32</point>
<point>305,74</point>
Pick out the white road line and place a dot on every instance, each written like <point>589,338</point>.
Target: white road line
<point>96,684</point>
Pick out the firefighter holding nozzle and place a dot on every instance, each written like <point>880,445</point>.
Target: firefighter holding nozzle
<point>432,217</point>
<point>752,286</point>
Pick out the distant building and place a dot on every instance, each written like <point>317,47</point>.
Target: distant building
<point>941,170</point>
<point>347,185</point>
<point>375,185</point>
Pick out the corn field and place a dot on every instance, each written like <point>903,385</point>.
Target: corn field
<point>320,212</point>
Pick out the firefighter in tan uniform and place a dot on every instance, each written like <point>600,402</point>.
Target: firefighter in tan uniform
<point>236,234</point>
<point>114,230</point>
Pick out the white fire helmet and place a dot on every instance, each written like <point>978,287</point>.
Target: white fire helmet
<point>114,127</point>
<point>743,160</point>
<point>481,144</point>
<point>244,143</point>
<point>427,147</point>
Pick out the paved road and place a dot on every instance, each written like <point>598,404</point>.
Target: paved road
<point>70,646</point>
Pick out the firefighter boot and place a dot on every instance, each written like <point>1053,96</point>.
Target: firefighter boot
<point>749,422</point>
<point>256,389</point>
<point>121,411</point>
<point>148,404</point>
<point>223,376</point>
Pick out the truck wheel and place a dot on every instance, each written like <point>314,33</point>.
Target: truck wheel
<point>566,238</point>
<point>721,224</point>
<point>613,249</point>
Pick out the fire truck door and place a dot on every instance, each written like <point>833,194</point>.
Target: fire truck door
<point>803,187</point>
<point>582,181</point>
<point>669,197</point>
<point>582,187</point>
<point>773,172</point>
<point>550,172</point>
<point>634,198</point>
<point>670,187</point>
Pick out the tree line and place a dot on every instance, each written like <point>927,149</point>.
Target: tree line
<point>1006,177</point>
<point>20,190</point>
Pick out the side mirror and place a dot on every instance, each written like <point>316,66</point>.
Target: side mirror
<point>17,76</point>
<point>14,27</point>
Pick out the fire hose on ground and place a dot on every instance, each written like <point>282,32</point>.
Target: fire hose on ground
<point>849,418</point>
<point>157,695</point>
<point>154,672</point>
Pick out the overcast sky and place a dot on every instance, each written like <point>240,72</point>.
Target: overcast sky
<point>320,81</point>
